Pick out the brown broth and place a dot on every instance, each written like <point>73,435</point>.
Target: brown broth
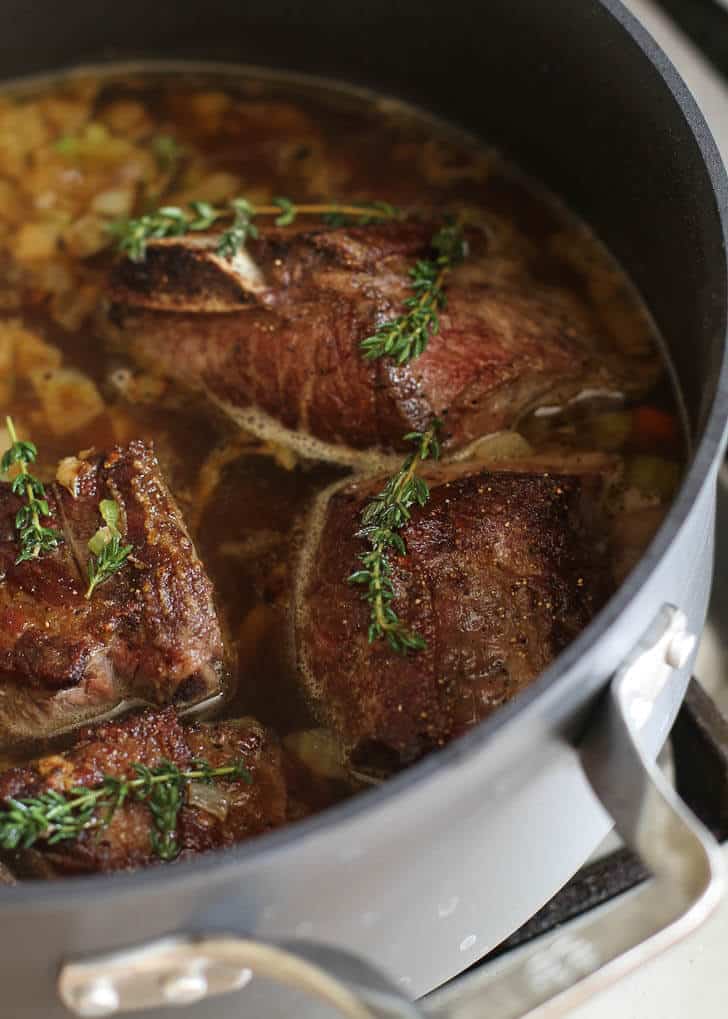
<point>72,149</point>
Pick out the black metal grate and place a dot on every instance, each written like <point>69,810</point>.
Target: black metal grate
<point>700,749</point>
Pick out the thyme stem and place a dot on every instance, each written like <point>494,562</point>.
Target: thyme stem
<point>57,817</point>
<point>324,209</point>
<point>382,519</point>
<point>27,486</point>
<point>108,555</point>
<point>406,337</point>
<point>34,538</point>
<point>402,338</point>
<point>132,235</point>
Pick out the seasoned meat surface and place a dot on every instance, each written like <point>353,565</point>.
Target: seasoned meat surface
<point>152,738</point>
<point>503,568</point>
<point>280,330</point>
<point>149,632</point>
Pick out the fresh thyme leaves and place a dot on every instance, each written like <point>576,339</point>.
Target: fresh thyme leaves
<point>170,221</point>
<point>382,519</point>
<point>368,213</point>
<point>108,555</point>
<point>111,558</point>
<point>34,538</point>
<point>54,817</point>
<point>405,337</point>
<point>164,800</point>
<point>402,338</point>
<point>235,237</point>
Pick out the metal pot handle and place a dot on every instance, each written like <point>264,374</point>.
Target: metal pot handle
<point>538,981</point>
<point>546,981</point>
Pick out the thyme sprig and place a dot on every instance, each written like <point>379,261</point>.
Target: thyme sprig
<point>243,228</point>
<point>54,817</point>
<point>382,520</point>
<point>405,337</point>
<point>132,235</point>
<point>108,555</point>
<point>402,338</point>
<point>34,537</point>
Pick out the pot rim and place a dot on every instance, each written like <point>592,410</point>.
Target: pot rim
<point>221,864</point>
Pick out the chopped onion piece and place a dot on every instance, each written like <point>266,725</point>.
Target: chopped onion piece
<point>505,445</point>
<point>209,798</point>
<point>319,750</point>
<point>69,471</point>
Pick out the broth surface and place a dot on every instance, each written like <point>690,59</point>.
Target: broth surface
<point>78,153</point>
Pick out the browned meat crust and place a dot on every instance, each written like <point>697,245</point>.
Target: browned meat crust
<point>287,326</point>
<point>185,275</point>
<point>149,632</point>
<point>504,567</point>
<point>151,738</point>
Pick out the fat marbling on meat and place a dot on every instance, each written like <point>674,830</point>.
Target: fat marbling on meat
<point>150,632</point>
<point>279,329</point>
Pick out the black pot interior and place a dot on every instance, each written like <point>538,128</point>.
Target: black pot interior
<point>604,132</point>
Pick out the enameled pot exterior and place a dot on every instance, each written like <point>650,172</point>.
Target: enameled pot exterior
<point>428,873</point>
<point>422,883</point>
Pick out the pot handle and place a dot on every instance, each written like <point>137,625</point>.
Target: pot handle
<point>545,981</point>
<point>539,981</point>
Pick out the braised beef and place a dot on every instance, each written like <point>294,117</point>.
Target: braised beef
<point>153,738</point>
<point>148,632</point>
<point>280,328</point>
<point>503,568</point>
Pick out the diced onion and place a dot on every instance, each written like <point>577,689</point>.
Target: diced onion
<point>496,446</point>
<point>115,202</point>
<point>209,798</point>
<point>32,353</point>
<point>86,236</point>
<point>70,399</point>
<point>36,241</point>
<point>319,750</point>
<point>69,471</point>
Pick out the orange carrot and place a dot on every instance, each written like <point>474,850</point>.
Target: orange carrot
<point>653,426</point>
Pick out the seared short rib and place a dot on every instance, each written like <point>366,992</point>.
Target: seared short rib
<point>152,738</point>
<point>503,568</point>
<point>149,632</point>
<point>279,329</point>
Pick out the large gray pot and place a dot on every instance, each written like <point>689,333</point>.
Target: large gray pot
<point>426,874</point>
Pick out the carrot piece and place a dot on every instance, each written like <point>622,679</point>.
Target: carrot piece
<point>651,425</point>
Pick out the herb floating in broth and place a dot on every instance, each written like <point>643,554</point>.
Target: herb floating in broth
<point>406,337</point>
<point>170,221</point>
<point>108,555</point>
<point>54,816</point>
<point>35,539</point>
<point>382,519</point>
